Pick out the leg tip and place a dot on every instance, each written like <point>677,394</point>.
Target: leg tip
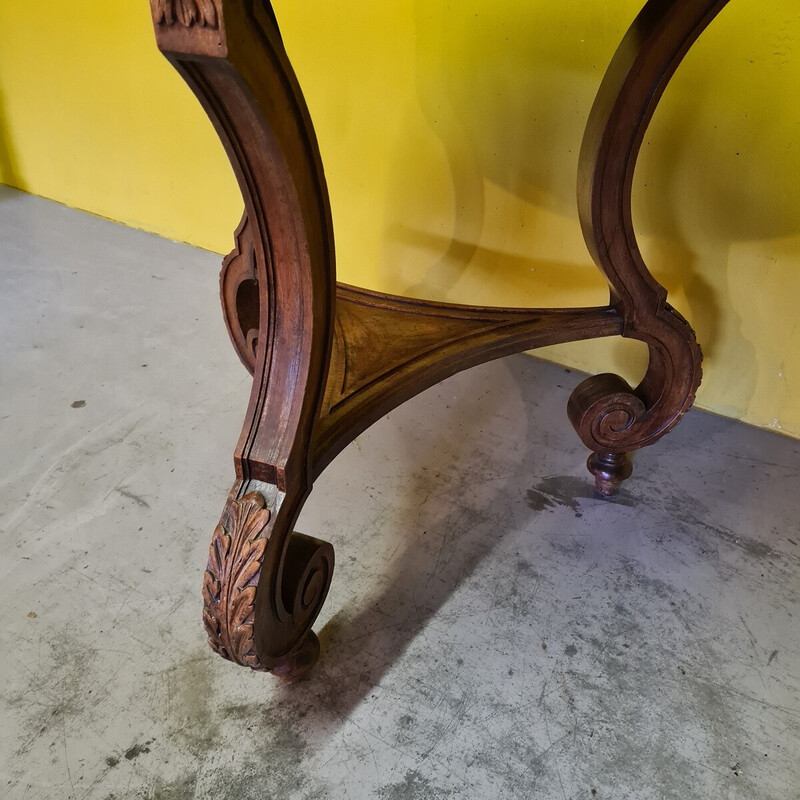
<point>605,488</point>
<point>295,666</point>
<point>609,470</point>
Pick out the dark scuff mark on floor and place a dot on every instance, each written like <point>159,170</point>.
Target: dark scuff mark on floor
<point>140,501</point>
<point>137,750</point>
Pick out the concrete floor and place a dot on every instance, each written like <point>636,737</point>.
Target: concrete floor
<point>493,631</point>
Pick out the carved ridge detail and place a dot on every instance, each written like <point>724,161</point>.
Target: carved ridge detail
<point>188,13</point>
<point>229,583</point>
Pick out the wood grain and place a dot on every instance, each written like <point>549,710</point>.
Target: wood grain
<point>387,349</point>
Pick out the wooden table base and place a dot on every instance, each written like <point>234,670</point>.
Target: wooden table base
<point>328,359</point>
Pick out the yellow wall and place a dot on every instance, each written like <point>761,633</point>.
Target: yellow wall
<point>450,133</point>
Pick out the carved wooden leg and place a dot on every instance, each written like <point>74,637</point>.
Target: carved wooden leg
<point>611,417</point>
<point>265,584</point>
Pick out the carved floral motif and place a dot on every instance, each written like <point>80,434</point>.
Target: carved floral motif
<point>185,12</point>
<point>229,584</point>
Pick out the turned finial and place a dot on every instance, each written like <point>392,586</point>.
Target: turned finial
<point>609,470</point>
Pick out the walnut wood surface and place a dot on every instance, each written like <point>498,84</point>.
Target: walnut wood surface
<point>240,73</point>
<point>387,349</point>
<point>328,360</point>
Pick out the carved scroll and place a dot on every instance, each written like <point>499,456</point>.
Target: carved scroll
<point>285,642</point>
<point>229,584</point>
<point>246,543</point>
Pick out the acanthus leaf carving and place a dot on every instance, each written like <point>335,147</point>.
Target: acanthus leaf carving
<point>186,12</point>
<point>229,583</point>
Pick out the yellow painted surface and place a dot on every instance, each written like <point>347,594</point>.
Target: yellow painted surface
<point>450,134</point>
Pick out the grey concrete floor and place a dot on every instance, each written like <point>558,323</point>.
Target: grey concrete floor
<point>493,630</point>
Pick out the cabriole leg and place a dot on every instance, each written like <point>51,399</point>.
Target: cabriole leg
<point>611,417</point>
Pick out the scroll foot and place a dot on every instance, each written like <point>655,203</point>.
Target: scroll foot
<point>609,470</point>
<point>255,551</point>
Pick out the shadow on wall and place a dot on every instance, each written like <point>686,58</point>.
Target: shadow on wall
<point>509,106</point>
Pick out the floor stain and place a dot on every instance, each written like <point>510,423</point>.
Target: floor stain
<point>413,787</point>
<point>191,719</point>
<point>137,750</point>
<point>752,547</point>
<point>180,789</point>
<point>140,501</point>
<point>568,491</point>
